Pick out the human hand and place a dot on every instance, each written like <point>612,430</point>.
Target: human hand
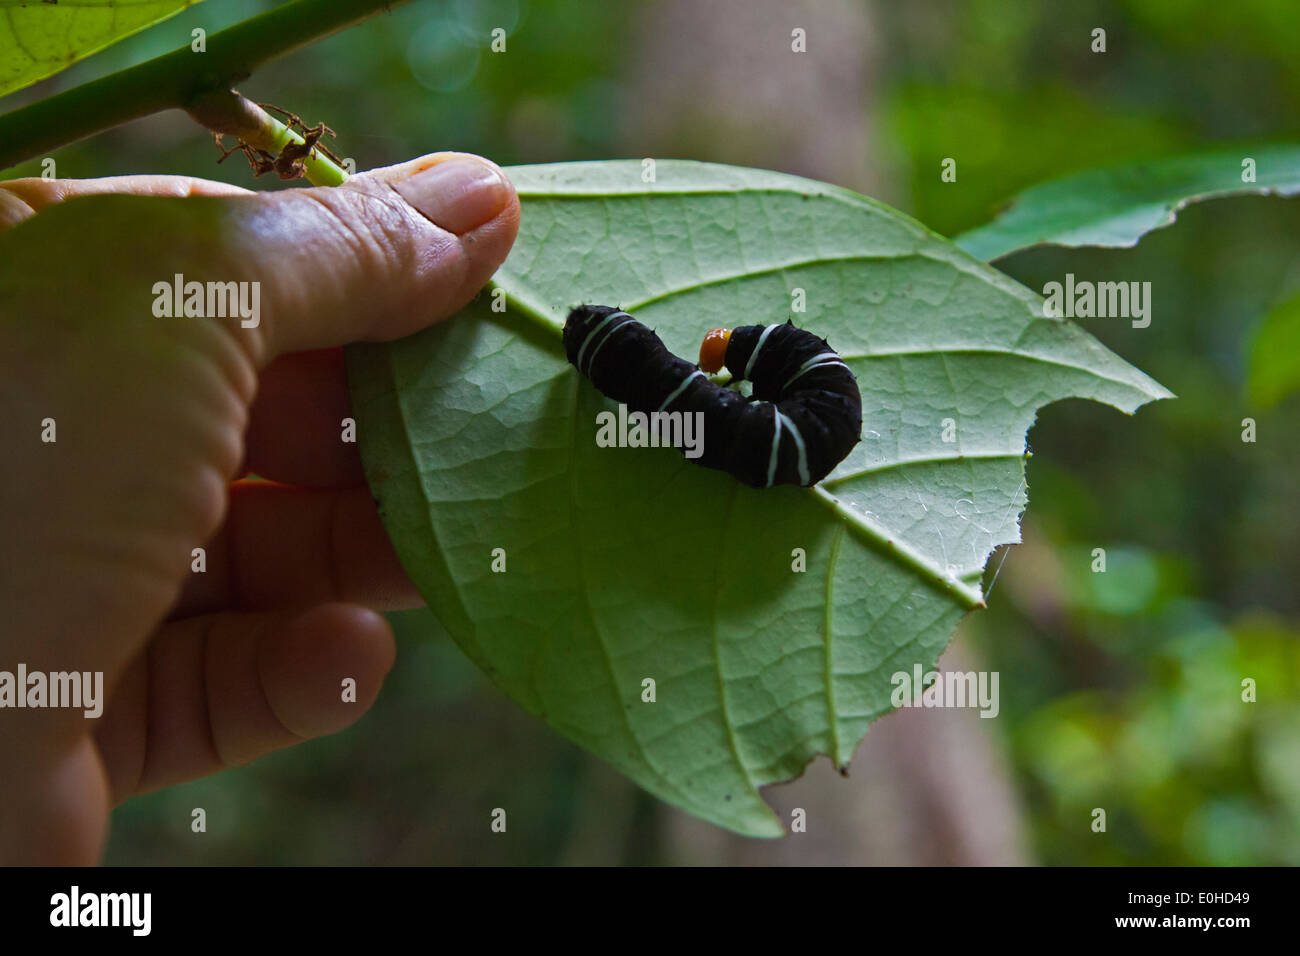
<point>153,418</point>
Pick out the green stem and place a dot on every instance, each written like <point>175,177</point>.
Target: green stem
<point>174,80</point>
<point>320,169</point>
<point>229,113</point>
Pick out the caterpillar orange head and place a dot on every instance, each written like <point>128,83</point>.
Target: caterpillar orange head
<point>713,350</point>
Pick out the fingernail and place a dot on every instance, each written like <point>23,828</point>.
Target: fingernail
<point>459,194</point>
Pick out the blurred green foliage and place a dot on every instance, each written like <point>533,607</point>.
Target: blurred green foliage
<point>1120,690</point>
<point>1274,371</point>
<point>1128,682</point>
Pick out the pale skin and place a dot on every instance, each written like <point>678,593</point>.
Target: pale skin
<point>157,421</point>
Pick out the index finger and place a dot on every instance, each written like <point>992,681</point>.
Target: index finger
<point>21,199</point>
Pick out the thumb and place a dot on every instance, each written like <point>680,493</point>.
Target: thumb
<point>384,255</point>
<point>388,253</point>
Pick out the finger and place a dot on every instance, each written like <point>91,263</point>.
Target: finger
<point>282,546</point>
<point>295,427</point>
<point>221,690</point>
<point>56,807</point>
<point>22,198</point>
<point>378,258</point>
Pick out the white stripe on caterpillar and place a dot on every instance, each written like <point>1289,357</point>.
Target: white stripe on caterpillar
<point>817,361</point>
<point>680,388</point>
<point>803,451</point>
<point>776,444</point>
<point>779,419</point>
<point>749,366</point>
<point>587,340</point>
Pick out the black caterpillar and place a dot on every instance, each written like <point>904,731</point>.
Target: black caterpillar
<point>804,417</point>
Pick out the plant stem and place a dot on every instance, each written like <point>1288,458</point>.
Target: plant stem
<point>174,80</point>
<point>229,113</point>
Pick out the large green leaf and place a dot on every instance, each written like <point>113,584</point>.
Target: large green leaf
<point>625,564</point>
<point>1120,205</point>
<point>38,39</point>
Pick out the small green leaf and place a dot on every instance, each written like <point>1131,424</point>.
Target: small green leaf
<point>627,564</point>
<point>1274,364</point>
<point>1118,206</point>
<point>38,39</point>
